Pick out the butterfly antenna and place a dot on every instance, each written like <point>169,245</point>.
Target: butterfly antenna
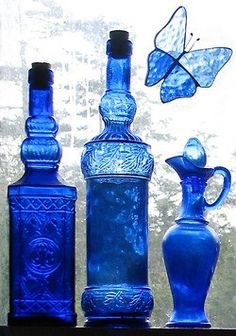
<point>198,39</point>
<point>190,39</point>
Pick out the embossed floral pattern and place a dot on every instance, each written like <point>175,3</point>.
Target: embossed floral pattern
<point>130,300</point>
<point>120,158</point>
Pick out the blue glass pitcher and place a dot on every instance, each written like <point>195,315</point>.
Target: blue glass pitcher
<point>42,219</point>
<point>191,247</point>
<point>117,166</point>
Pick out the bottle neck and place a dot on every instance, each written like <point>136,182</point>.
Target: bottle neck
<point>40,150</point>
<point>118,74</point>
<point>118,106</point>
<point>40,102</point>
<point>193,202</point>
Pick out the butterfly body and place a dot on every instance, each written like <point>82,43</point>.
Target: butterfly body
<point>182,71</point>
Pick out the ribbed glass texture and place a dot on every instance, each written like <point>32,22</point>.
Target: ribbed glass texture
<point>42,215</point>
<point>117,166</point>
<point>190,247</point>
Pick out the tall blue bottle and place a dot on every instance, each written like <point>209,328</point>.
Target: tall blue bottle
<point>191,247</point>
<point>42,215</point>
<point>117,166</point>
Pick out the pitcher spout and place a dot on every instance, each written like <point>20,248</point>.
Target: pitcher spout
<point>192,162</point>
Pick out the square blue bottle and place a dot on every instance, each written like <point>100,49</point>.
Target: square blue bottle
<point>42,219</point>
<point>117,167</point>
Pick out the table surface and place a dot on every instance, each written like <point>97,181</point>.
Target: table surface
<point>81,331</point>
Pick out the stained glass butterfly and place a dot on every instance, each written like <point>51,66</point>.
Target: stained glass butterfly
<point>182,71</point>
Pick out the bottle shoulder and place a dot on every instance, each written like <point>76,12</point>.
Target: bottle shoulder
<point>184,233</point>
<point>41,182</point>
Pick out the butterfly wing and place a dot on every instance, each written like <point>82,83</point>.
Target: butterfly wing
<point>182,71</point>
<point>178,84</point>
<point>204,64</point>
<point>169,43</point>
<point>158,65</point>
<point>171,38</point>
<point>194,68</point>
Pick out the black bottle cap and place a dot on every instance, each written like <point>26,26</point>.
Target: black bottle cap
<point>40,76</point>
<point>120,45</point>
<point>119,35</point>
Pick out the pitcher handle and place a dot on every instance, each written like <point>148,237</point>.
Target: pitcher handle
<point>225,188</point>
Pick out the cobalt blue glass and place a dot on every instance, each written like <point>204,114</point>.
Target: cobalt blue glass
<point>117,166</point>
<point>42,215</point>
<point>190,247</point>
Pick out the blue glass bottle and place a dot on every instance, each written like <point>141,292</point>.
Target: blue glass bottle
<point>117,166</point>
<point>190,247</point>
<point>42,215</point>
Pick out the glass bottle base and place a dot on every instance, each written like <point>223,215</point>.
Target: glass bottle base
<point>188,324</point>
<point>118,322</point>
<point>59,320</point>
<point>119,304</point>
